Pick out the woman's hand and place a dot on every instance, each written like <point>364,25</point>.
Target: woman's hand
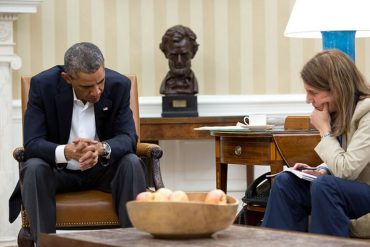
<point>309,169</point>
<point>301,167</point>
<point>321,119</point>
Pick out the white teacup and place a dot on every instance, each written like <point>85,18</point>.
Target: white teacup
<point>255,119</point>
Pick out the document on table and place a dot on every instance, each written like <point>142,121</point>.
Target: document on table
<point>299,174</point>
<point>238,127</point>
<point>222,128</point>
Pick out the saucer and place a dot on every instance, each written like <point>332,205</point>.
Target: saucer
<point>258,127</point>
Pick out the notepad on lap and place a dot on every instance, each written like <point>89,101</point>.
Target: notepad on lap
<point>299,174</point>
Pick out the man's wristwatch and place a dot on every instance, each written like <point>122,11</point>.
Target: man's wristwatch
<point>104,158</point>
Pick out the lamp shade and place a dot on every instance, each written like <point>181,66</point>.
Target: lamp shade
<point>310,17</point>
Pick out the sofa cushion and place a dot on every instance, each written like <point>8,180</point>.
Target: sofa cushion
<point>361,227</point>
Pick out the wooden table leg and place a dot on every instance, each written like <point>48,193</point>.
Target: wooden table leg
<point>275,168</point>
<point>277,162</point>
<point>221,176</point>
<point>249,174</point>
<point>221,169</point>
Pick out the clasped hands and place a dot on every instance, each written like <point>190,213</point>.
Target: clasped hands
<point>85,151</point>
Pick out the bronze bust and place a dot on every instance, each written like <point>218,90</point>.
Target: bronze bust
<point>179,46</point>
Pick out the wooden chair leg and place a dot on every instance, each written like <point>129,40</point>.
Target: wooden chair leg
<point>25,237</point>
<point>255,214</point>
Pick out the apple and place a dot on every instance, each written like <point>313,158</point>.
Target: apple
<point>163,194</point>
<point>216,197</point>
<point>145,196</point>
<point>179,196</point>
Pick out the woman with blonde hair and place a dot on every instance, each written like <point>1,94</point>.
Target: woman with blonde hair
<point>341,192</point>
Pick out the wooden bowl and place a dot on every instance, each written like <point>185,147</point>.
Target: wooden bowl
<point>191,219</point>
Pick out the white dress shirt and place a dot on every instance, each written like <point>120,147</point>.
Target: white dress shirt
<point>83,126</point>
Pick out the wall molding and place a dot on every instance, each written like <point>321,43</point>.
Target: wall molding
<point>19,6</point>
<point>223,105</point>
<point>236,105</point>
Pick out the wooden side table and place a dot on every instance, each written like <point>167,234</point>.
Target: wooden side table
<point>249,148</point>
<point>181,128</point>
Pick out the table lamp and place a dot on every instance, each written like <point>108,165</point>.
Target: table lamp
<point>337,22</point>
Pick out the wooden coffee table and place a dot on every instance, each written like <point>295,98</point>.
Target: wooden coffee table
<point>233,236</point>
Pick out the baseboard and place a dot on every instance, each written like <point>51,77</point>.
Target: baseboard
<point>8,242</point>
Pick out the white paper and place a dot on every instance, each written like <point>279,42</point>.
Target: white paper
<point>299,174</point>
<point>222,128</point>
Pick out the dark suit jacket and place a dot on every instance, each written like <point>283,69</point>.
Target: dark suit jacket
<point>47,121</point>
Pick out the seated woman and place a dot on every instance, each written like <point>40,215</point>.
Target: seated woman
<point>341,192</point>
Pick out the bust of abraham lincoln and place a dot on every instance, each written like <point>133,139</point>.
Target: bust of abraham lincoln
<point>179,46</point>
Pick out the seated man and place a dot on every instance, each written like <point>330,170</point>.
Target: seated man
<point>79,134</point>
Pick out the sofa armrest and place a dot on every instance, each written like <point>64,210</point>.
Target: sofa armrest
<point>152,152</point>
<point>360,227</point>
<point>18,154</point>
<point>149,150</point>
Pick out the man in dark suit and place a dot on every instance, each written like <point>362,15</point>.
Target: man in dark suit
<point>79,134</point>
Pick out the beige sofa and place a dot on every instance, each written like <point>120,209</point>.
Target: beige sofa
<point>360,227</point>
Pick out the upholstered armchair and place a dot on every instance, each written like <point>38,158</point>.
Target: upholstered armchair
<point>92,209</point>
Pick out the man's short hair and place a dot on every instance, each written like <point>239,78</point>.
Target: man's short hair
<point>83,57</point>
<point>176,34</point>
